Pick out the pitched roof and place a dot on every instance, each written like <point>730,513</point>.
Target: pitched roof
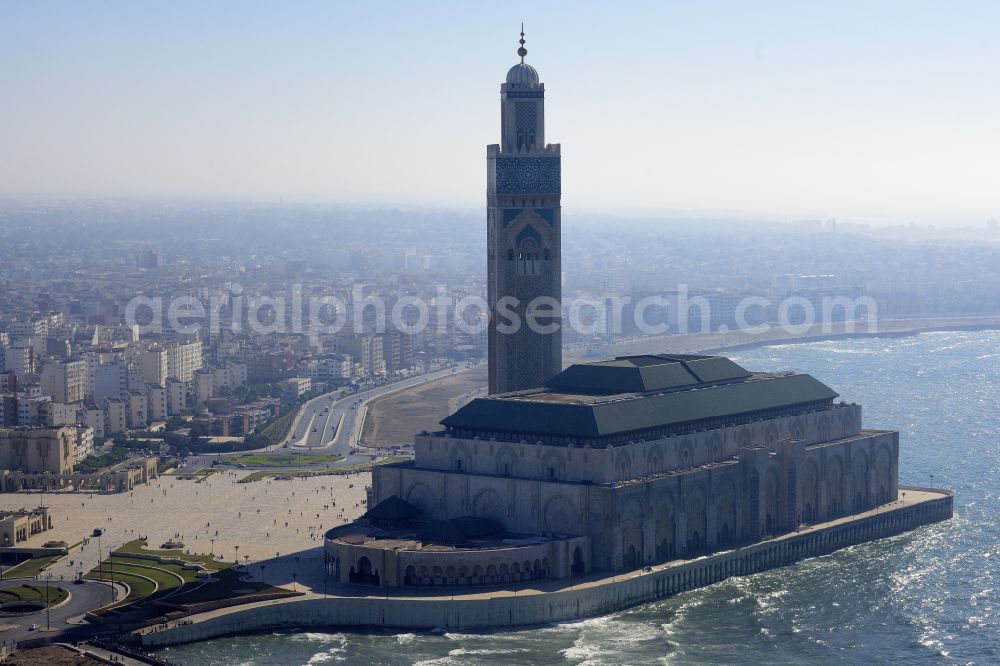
<point>392,508</point>
<point>650,372</point>
<point>638,393</point>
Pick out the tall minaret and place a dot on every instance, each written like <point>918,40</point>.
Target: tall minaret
<point>523,238</point>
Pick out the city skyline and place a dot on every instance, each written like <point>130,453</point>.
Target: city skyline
<point>879,115</point>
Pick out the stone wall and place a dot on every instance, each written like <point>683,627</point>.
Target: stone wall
<point>649,518</point>
<point>567,604</point>
<point>543,461</point>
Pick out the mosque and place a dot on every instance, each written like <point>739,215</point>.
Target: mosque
<point>602,467</point>
<point>569,493</point>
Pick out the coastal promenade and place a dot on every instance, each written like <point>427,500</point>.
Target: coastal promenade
<point>557,601</point>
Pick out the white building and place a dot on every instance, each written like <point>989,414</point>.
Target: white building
<point>176,396</point>
<point>31,410</point>
<point>64,381</point>
<point>330,369</point>
<point>184,359</point>
<point>84,443</point>
<point>20,359</point>
<point>117,417</point>
<point>95,420</point>
<point>294,387</point>
<point>178,360</point>
<point>138,410</point>
<point>231,375</point>
<point>203,385</point>
<point>109,380</point>
<point>157,403</point>
<point>155,366</point>
<point>56,414</point>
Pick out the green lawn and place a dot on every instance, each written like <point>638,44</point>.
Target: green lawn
<point>137,546</point>
<point>166,576</point>
<point>30,568</point>
<point>229,580</point>
<point>163,581</point>
<point>283,459</point>
<point>33,593</point>
<point>333,471</point>
<point>140,588</point>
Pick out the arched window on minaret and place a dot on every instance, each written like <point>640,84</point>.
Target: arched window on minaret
<point>528,259</point>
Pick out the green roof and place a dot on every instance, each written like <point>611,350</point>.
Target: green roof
<point>638,393</point>
<point>651,372</point>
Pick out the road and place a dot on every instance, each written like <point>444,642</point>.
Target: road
<point>329,426</point>
<point>84,597</point>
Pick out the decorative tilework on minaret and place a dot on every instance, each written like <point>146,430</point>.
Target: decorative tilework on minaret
<point>523,237</point>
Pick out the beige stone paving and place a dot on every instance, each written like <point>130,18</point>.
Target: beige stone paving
<point>219,509</point>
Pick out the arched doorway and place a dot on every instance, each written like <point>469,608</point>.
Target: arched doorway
<point>697,535</point>
<point>578,565</point>
<point>363,573</point>
<point>632,559</point>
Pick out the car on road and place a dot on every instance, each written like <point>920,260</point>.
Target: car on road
<point>34,627</point>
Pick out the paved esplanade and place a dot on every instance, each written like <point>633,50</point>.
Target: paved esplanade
<point>262,518</point>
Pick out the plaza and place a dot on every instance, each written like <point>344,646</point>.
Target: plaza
<point>279,523</point>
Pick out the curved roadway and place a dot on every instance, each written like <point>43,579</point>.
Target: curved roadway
<point>328,425</point>
<point>83,597</point>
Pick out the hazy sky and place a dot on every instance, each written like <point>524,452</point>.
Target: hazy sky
<point>873,111</point>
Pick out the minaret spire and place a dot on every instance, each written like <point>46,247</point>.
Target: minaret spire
<point>522,51</point>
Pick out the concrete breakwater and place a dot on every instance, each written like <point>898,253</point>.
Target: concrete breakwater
<point>506,608</point>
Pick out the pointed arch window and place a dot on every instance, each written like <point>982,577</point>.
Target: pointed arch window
<point>528,258</point>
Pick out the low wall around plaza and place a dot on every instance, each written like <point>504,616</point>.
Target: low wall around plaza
<point>587,599</point>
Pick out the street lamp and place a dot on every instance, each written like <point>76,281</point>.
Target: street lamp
<point>213,548</point>
<point>48,616</point>
<point>100,557</point>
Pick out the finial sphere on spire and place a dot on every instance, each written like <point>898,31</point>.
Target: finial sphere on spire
<point>522,74</point>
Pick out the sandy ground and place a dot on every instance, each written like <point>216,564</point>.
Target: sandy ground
<point>51,656</point>
<point>395,418</point>
<point>278,522</point>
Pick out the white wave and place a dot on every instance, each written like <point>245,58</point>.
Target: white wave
<point>404,639</point>
<point>629,633</point>
<point>319,637</point>
<point>582,652</point>
<point>577,625</point>
<point>457,652</point>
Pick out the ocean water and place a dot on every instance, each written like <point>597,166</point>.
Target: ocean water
<point>931,596</point>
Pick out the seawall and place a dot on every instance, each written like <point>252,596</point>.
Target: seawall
<point>485,609</point>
